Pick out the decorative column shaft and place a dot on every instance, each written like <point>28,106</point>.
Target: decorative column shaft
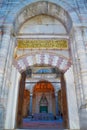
<point>0,35</point>
<point>56,99</point>
<point>10,120</point>
<point>71,100</point>
<point>77,73</point>
<point>8,67</point>
<point>82,57</point>
<point>85,36</point>
<point>4,52</point>
<point>30,104</point>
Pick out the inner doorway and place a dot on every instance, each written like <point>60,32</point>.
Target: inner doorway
<point>43,109</point>
<point>43,98</point>
<point>42,104</point>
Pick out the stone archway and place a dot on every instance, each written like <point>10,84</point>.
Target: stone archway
<point>43,92</point>
<point>68,72</point>
<point>72,104</point>
<point>31,9</point>
<point>66,68</point>
<point>59,61</point>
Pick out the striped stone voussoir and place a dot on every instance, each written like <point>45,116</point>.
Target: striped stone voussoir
<point>54,60</point>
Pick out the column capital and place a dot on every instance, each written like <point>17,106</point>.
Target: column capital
<point>57,89</point>
<point>56,93</point>
<point>77,28</point>
<point>31,94</point>
<point>7,29</point>
<point>78,31</point>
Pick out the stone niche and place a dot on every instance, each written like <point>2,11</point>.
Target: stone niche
<point>46,88</point>
<point>42,24</point>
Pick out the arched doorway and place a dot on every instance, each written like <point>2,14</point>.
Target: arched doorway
<point>49,57</point>
<point>43,94</point>
<point>41,104</point>
<point>68,91</point>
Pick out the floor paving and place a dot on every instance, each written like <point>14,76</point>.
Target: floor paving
<point>42,129</point>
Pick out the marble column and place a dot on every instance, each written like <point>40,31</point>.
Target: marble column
<point>85,36</point>
<point>49,99</point>
<point>56,99</point>
<point>82,59</point>
<point>8,67</point>
<point>4,53</point>
<point>73,115</point>
<point>0,34</point>
<point>30,107</point>
<point>10,120</point>
<point>77,73</point>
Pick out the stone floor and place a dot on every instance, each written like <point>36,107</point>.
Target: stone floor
<point>83,123</point>
<point>46,122</point>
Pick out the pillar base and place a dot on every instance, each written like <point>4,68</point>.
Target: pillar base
<point>1,117</point>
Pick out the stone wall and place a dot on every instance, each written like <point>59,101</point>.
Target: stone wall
<point>64,102</point>
<point>20,101</point>
<point>26,102</point>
